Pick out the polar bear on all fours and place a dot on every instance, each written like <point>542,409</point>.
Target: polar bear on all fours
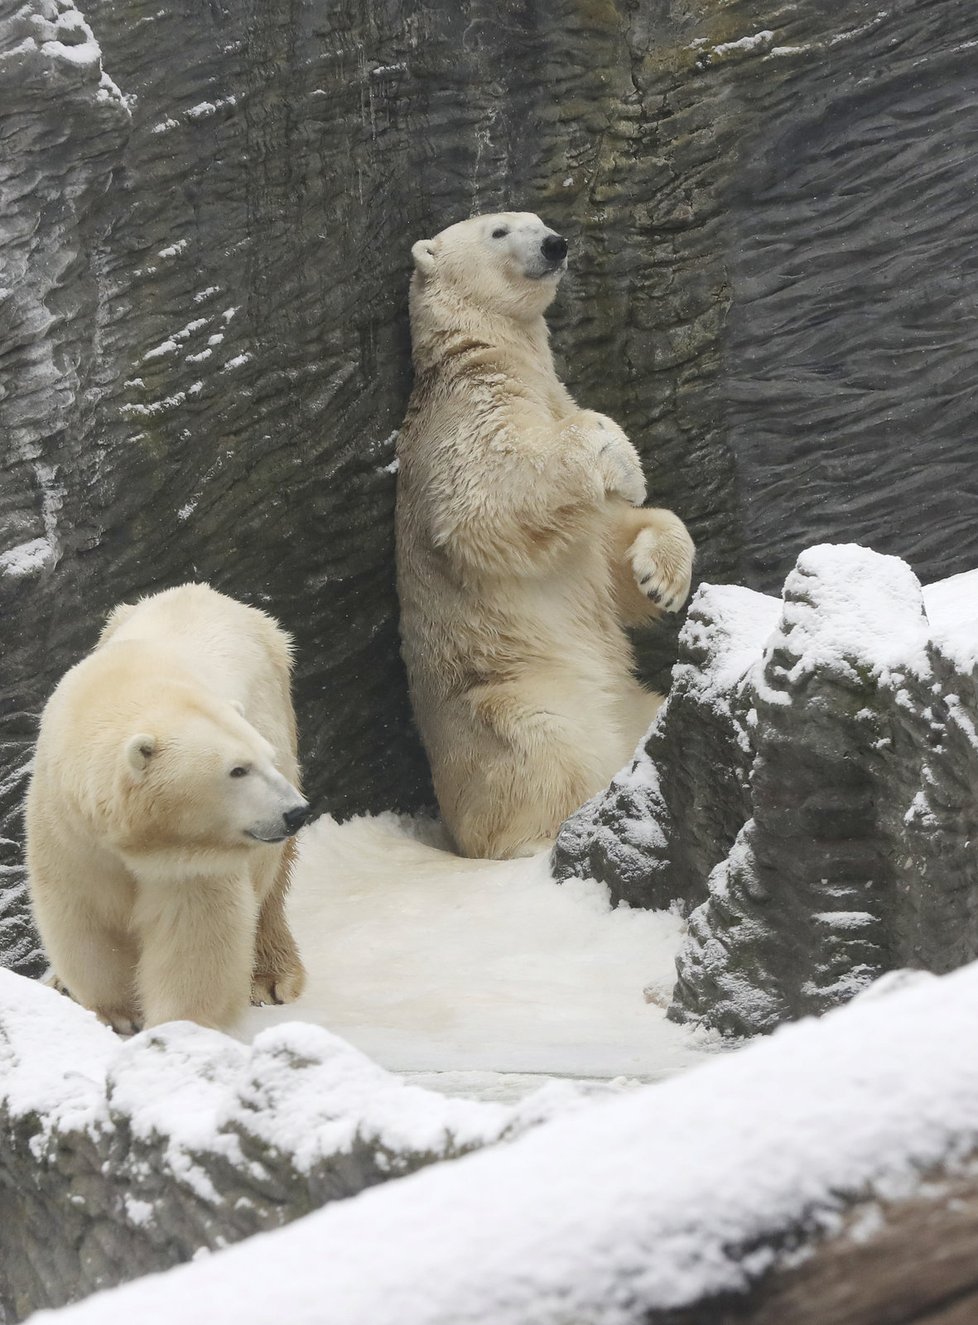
<point>160,814</point>
<point>523,547</point>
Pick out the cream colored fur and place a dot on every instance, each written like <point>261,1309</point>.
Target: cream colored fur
<point>523,549</point>
<point>153,899</point>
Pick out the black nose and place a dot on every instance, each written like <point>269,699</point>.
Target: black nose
<point>554,248</point>
<point>294,819</point>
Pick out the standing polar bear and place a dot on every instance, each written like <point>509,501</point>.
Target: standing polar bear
<point>160,810</point>
<point>523,548</point>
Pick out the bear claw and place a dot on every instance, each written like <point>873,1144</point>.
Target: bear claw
<point>277,989</point>
<point>662,568</point>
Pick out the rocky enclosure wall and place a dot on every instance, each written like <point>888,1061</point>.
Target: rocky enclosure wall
<point>207,212</point>
<point>807,792</point>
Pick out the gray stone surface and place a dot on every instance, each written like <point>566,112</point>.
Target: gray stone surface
<point>777,319</point>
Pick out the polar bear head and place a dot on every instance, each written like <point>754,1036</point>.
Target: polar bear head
<point>507,263</point>
<point>198,775</point>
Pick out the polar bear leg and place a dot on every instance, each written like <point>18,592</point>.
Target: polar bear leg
<point>197,944</point>
<point>92,953</point>
<point>535,750</point>
<point>97,967</point>
<point>278,975</point>
<point>639,708</point>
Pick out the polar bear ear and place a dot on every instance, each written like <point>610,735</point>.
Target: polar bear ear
<point>423,253</point>
<point>140,750</point>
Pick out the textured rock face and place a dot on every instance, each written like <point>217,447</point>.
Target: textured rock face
<point>65,126</point>
<point>204,336</point>
<point>808,789</point>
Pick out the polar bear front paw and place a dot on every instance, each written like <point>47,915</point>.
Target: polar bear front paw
<point>662,562</point>
<point>283,987</point>
<point>124,1023</point>
<point>618,462</point>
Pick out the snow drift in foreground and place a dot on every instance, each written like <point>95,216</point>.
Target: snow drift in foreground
<point>429,962</point>
<point>626,1206</point>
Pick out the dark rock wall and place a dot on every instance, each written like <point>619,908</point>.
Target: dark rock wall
<point>204,345</point>
<point>852,328</point>
<point>63,133</point>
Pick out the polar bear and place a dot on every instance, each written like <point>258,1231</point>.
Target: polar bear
<point>160,814</point>
<point>523,547</point>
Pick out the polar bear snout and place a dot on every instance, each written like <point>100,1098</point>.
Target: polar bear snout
<point>284,822</point>
<point>294,819</point>
<point>546,257</point>
<point>554,248</point>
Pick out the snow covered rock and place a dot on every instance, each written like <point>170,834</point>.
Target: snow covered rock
<point>808,789</point>
<point>118,1158</point>
<point>678,1204</point>
<point>669,817</point>
<point>857,857</point>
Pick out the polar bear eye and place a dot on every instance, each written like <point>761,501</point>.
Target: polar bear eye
<point>501,233</point>
<point>240,771</point>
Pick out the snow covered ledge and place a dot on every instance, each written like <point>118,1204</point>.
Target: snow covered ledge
<point>807,792</point>
<point>682,1202</point>
<point>122,1157</point>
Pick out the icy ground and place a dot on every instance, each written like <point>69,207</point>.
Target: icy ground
<point>431,964</point>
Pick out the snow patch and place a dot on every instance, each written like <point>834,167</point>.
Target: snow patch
<point>727,626</point>
<point>26,558</point>
<point>429,962</point>
<point>745,45</point>
<point>157,407</point>
<point>849,610</point>
<point>168,346</point>
<point>952,609</point>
